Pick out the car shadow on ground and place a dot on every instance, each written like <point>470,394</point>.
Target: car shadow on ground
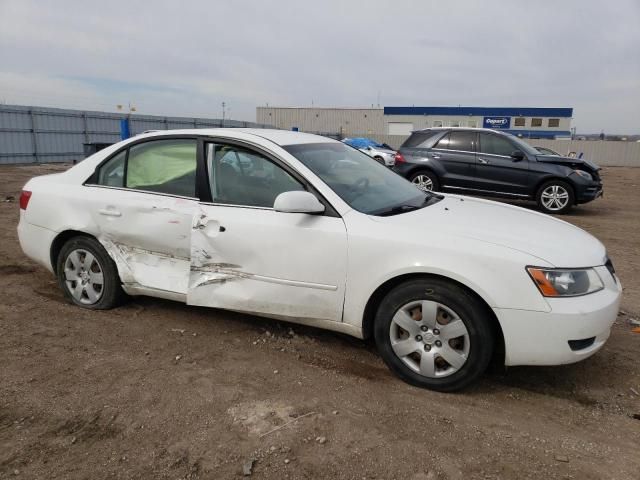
<point>570,382</point>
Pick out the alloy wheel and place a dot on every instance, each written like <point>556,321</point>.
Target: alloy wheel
<point>555,197</point>
<point>423,182</point>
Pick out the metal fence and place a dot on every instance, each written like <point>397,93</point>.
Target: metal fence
<point>46,135</point>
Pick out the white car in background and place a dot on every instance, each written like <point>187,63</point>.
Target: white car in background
<point>380,152</point>
<point>305,229</point>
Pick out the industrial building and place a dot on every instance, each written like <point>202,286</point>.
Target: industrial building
<point>549,123</point>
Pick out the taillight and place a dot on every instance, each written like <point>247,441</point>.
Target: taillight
<point>399,158</point>
<point>24,199</point>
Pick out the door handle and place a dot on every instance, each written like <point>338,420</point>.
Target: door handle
<point>435,156</point>
<point>483,161</point>
<point>108,212</point>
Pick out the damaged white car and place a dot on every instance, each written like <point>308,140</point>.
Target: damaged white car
<point>305,229</point>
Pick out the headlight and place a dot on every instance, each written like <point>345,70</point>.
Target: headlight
<point>584,174</point>
<point>554,282</point>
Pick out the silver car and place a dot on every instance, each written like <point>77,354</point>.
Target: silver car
<point>385,156</point>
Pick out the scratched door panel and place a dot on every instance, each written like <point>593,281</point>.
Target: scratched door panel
<point>147,235</point>
<point>258,260</point>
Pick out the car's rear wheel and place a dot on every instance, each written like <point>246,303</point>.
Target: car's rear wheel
<point>379,159</point>
<point>555,196</point>
<point>425,180</point>
<point>87,275</point>
<point>434,334</point>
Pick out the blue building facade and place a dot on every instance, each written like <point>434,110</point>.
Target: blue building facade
<point>526,122</point>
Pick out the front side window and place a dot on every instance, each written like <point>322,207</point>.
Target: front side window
<point>359,180</point>
<point>495,145</point>
<point>241,177</point>
<point>163,166</point>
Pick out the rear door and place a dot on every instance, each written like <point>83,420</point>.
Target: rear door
<point>456,153</point>
<point>245,256</point>
<point>496,170</point>
<point>143,201</point>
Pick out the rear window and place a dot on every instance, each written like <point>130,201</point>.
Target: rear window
<point>419,140</point>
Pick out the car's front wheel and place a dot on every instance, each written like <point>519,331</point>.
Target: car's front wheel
<point>555,196</point>
<point>425,180</point>
<point>434,334</point>
<point>87,275</point>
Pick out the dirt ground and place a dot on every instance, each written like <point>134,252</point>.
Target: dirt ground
<point>156,389</point>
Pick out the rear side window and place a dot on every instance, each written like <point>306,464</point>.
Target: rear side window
<point>111,174</point>
<point>159,166</point>
<point>443,142</point>
<point>419,140</point>
<point>463,141</point>
<point>496,145</point>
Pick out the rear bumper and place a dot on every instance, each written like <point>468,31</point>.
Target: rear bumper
<point>573,330</point>
<point>403,169</point>
<point>36,242</point>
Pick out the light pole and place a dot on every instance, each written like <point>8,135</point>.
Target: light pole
<point>223,105</point>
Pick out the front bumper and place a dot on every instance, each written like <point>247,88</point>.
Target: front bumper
<point>587,190</point>
<point>573,330</point>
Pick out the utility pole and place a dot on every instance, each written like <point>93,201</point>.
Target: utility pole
<point>223,105</point>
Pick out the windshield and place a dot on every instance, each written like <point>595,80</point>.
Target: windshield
<point>363,183</point>
<point>524,146</point>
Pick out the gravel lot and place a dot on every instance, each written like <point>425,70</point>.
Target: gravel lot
<point>156,389</point>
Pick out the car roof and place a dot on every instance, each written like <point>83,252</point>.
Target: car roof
<point>279,137</point>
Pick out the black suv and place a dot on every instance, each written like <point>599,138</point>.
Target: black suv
<point>479,161</point>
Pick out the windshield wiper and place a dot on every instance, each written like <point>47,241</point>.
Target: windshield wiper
<point>429,199</point>
<point>398,209</point>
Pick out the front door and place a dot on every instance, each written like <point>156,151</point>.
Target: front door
<point>496,170</point>
<point>245,256</point>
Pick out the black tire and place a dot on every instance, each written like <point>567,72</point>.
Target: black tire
<point>547,205</point>
<point>474,316</point>
<point>110,294</point>
<point>435,182</point>
<point>380,160</point>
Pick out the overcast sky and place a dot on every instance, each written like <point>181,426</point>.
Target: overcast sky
<point>187,57</point>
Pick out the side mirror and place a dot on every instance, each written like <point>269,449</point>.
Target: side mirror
<point>517,156</point>
<point>297,202</point>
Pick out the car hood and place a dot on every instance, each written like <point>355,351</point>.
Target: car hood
<point>569,162</point>
<point>556,242</point>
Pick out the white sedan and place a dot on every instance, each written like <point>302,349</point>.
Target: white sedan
<point>302,228</point>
